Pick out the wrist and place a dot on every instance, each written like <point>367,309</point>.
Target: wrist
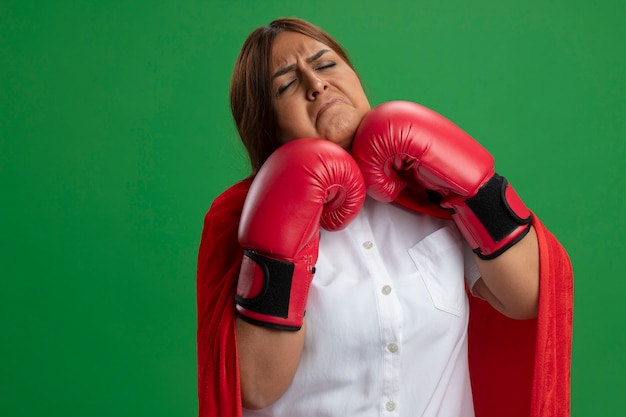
<point>493,220</point>
<point>273,293</point>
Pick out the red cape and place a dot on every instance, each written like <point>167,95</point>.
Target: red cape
<point>518,368</point>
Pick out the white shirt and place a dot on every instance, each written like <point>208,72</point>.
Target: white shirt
<point>387,319</point>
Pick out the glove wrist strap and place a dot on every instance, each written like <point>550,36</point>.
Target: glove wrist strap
<point>265,292</point>
<point>494,219</point>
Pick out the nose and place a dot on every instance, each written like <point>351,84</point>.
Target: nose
<point>315,85</point>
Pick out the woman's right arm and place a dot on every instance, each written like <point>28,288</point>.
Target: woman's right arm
<point>268,359</point>
<point>291,197</point>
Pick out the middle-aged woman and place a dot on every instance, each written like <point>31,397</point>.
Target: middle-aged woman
<point>389,327</point>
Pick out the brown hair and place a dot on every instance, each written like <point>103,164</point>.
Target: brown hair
<point>250,88</point>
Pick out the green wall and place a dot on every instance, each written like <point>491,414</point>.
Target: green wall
<point>115,136</point>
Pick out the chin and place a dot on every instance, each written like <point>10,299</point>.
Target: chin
<point>343,135</point>
<point>346,143</point>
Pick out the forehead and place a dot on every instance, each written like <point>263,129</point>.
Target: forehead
<point>288,47</point>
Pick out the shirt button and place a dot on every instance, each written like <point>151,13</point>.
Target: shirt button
<point>368,245</point>
<point>390,406</point>
<point>392,347</point>
<point>386,290</point>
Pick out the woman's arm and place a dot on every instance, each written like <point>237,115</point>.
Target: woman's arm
<point>290,199</point>
<point>268,359</point>
<point>458,174</point>
<point>510,282</point>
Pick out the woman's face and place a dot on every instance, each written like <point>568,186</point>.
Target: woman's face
<point>315,92</point>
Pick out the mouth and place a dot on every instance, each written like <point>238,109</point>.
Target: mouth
<point>326,105</point>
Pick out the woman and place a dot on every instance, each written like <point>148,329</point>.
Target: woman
<point>387,316</point>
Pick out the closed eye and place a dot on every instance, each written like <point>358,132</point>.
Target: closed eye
<point>326,65</point>
<point>284,87</point>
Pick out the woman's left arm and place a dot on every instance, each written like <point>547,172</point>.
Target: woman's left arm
<point>399,140</point>
<point>510,282</point>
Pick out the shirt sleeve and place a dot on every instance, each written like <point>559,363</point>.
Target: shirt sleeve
<point>472,274</point>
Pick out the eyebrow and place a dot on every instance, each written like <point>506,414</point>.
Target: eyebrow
<point>285,70</point>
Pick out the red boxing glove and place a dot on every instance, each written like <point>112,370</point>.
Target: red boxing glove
<point>305,184</point>
<point>401,141</point>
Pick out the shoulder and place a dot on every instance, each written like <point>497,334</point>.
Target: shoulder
<point>222,219</point>
<point>229,204</point>
<point>219,246</point>
<point>232,197</point>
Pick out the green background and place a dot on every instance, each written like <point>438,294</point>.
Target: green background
<point>115,136</point>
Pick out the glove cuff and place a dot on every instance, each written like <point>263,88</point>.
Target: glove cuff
<point>273,293</point>
<point>494,219</point>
